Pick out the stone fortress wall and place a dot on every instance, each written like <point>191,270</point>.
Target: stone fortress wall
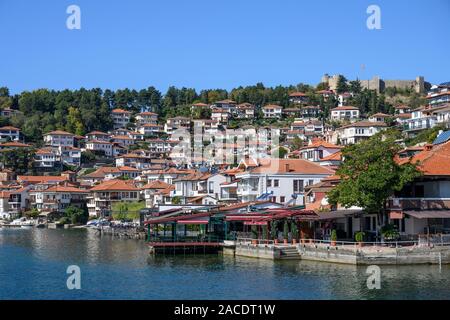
<point>378,84</point>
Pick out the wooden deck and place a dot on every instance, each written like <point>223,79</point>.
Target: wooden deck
<point>164,248</point>
<point>184,244</point>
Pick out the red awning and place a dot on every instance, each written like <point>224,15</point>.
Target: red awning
<point>255,223</point>
<point>192,221</point>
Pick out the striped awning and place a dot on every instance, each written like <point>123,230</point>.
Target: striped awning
<point>428,214</point>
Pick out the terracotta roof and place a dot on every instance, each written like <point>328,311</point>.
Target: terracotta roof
<point>59,132</point>
<point>156,184</point>
<point>148,113</point>
<point>404,115</point>
<point>196,176</point>
<point>15,144</point>
<point>200,104</point>
<point>9,128</point>
<point>118,110</point>
<point>116,185</point>
<point>298,94</point>
<point>432,161</point>
<point>345,108</point>
<point>226,101</point>
<point>45,151</point>
<point>365,124</point>
<point>65,189</point>
<point>42,179</point>
<point>294,166</point>
<point>272,106</point>
<point>337,156</point>
<point>127,168</point>
<point>380,115</point>
<point>321,143</point>
<point>98,133</point>
<point>121,137</point>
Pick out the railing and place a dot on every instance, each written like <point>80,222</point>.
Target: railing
<point>182,238</point>
<point>420,203</point>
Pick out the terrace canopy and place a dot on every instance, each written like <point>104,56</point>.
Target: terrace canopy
<point>429,214</point>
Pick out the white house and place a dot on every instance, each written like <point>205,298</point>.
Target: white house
<point>147,118</point>
<point>421,119</point>
<point>9,133</point>
<point>98,145</point>
<point>272,111</point>
<point>345,113</point>
<point>120,118</point>
<point>59,138</point>
<point>278,180</point>
<point>355,132</point>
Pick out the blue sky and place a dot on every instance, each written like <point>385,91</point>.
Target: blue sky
<point>217,43</point>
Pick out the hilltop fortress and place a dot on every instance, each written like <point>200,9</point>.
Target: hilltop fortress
<point>378,84</point>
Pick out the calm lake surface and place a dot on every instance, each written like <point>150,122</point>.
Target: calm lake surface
<point>33,265</point>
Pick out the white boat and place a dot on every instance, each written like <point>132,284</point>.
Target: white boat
<point>23,223</point>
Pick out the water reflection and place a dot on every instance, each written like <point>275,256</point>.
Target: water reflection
<point>33,265</point>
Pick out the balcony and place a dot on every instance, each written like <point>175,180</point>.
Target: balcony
<point>420,203</point>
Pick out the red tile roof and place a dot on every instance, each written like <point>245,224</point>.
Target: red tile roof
<point>434,162</point>
<point>116,185</point>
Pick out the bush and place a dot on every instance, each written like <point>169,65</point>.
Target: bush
<point>359,236</point>
<point>65,220</point>
<point>333,235</point>
<point>294,230</point>
<point>286,230</point>
<point>390,232</point>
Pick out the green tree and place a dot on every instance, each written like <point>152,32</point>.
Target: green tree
<point>342,85</point>
<point>369,174</point>
<point>76,215</point>
<point>19,160</point>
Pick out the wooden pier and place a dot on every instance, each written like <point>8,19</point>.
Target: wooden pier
<point>157,248</point>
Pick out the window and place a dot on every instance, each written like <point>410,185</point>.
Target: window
<point>269,182</point>
<point>298,186</point>
<point>276,183</point>
<point>282,199</point>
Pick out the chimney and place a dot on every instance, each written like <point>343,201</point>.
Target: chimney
<point>287,167</point>
<point>428,147</point>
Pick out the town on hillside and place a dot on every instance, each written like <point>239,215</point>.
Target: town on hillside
<point>344,160</point>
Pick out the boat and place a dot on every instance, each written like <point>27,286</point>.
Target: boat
<point>23,223</point>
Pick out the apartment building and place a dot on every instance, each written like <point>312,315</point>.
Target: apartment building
<point>272,111</point>
<point>355,132</point>
<point>342,113</point>
<point>278,180</point>
<point>59,138</point>
<point>9,133</point>
<point>57,198</point>
<point>104,195</point>
<point>120,118</point>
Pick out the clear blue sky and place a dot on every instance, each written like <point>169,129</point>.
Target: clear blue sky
<point>218,43</point>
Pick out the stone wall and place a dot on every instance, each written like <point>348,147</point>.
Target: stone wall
<point>378,84</point>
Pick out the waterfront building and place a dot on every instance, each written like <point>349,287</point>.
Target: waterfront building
<point>279,180</point>
<point>102,196</point>
<point>57,198</point>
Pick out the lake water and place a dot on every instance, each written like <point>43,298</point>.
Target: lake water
<point>33,265</point>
